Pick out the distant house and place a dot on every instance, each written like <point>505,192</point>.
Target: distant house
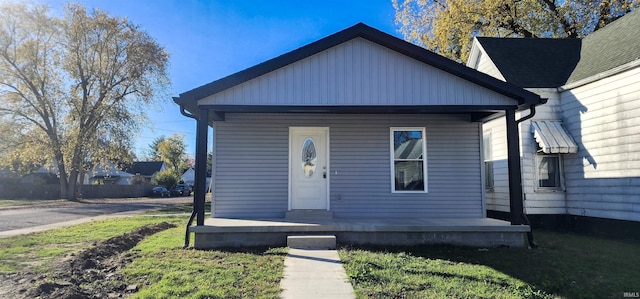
<point>581,151</point>
<point>107,175</point>
<point>147,169</point>
<point>40,178</point>
<point>189,176</point>
<point>51,168</point>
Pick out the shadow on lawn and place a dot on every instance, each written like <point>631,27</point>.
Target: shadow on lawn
<point>568,265</point>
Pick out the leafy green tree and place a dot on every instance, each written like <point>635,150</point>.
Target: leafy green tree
<point>138,180</point>
<point>173,151</point>
<point>152,151</point>
<point>447,27</point>
<point>75,86</point>
<point>166,178</point>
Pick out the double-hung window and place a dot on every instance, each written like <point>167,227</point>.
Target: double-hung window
<point>408,160</point>
<point>549,171</point>
<point>488,162</point>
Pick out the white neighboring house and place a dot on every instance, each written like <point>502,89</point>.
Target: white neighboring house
<point>580,153</point>
<point>107,174</point>
<point>48,169</point>
<point>147,169</point>
<point>189,176</point>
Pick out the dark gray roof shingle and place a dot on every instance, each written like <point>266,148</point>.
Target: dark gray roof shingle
<point>533,62</point>
<point>145,168</point>
<point>612,46</point>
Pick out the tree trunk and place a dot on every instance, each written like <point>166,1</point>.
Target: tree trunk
<point>63,180</point>
<point>73,183</point>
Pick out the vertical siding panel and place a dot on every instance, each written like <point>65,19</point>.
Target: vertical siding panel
<point>358,74</point>
<point>374,69</point>
<point>417,85</point>
<point>365,74</point>
<point>288,85</point>
<point>324,78</point>
<point>331,79</point>
<point>382,77</point>
<point>344,75</point>
<point>349,66</point>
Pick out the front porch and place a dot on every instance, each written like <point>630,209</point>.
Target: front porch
<point>478,232</point>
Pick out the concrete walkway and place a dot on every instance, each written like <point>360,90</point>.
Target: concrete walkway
<point>40,228</point>
<point>315,273</point>
<point>35,229</point>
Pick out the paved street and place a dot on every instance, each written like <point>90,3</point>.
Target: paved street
<point>36,216</point>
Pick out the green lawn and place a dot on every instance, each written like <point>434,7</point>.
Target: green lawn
<point>28,202</point>
<point>160,268</point>
<point>565,266</point>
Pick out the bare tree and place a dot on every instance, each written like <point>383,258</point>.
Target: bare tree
<point>76,86</point>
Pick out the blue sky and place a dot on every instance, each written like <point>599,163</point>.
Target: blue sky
<point>209,40</point>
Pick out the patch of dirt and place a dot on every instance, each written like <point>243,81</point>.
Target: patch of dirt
<point>91,273</point>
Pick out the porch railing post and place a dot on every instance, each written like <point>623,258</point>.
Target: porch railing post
<point>201,164</point>
<point>515,172</point>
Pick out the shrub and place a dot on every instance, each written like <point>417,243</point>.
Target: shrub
<point>167,178</point>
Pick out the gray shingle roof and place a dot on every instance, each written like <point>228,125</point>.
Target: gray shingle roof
<point>145,168</point>
<point>532,62</point>
<point>614,45</point>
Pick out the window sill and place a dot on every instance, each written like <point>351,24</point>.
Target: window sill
<point>548,190</point>
<point>409,192</point>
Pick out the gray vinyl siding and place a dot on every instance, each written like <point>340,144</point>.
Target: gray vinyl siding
<point>252,163</point>
<point>357,72</point>
<point>498,198</point>
<point>603,178</point>
<point>485,65</point>
<point>540,200</point>
<point>537,200</point>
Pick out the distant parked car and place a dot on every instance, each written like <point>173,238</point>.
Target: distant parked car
<point>181,190</point>
<point>160,192</point>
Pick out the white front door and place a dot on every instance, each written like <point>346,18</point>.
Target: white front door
<point>309,158</point>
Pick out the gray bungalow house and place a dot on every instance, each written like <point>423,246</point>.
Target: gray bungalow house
<point>355,134</point>
<point>581,151</point>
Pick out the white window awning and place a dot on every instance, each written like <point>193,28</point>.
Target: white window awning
<point>552,137</point>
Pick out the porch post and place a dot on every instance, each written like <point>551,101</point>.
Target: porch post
<point>515,171</point>
<point>201,165</point>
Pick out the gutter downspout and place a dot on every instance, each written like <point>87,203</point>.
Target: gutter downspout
<point>194,212</point>
<point>525,219</point>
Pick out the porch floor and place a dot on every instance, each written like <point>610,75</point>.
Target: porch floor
<point>481,232</point>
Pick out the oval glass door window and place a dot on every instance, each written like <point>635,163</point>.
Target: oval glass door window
<point>309,157</point>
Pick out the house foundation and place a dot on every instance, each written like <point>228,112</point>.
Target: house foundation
<point>476,232</point>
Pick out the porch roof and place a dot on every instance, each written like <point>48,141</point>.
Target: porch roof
<point>493,91</point>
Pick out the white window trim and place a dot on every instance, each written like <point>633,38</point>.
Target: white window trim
<point>561,188</point>
<point>488,157</point>
<point>424,159</point>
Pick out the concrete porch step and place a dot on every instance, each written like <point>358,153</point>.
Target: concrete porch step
<point>312,242</point>
<point>309,215</point>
